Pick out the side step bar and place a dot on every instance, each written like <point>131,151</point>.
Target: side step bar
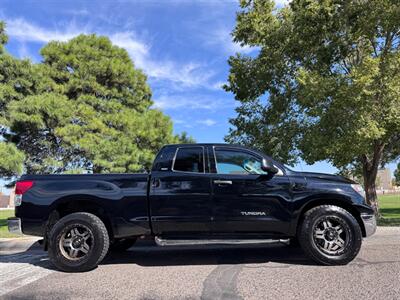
<point>164,242</point>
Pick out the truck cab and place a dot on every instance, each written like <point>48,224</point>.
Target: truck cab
<point>218,190</point>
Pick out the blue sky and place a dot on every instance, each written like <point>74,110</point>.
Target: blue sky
<point>182,45</point>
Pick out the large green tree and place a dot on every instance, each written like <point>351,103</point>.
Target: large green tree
<point>14,84</point>
<point>86,108</point>
<point>325,84</point>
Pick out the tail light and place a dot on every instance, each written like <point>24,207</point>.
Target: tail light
<point>21,187</point>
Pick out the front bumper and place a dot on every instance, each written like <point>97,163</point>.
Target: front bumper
<point>369,221</point>
<point>14,225</point>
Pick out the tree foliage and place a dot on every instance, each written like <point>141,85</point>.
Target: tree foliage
<point>184,138</point>
<point>11,162</point>
<point>14,84</point>
<point>397,175</point>
<point>324,85</point>
<point>3,37</point>
<point>84,108</point>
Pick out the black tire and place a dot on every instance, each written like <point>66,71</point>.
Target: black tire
<point>94,233</point>
<point>122,244</point>
<point>318,239</point>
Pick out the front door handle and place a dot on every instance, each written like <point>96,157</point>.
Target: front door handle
<point>223,181</point>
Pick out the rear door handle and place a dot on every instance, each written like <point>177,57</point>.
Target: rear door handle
<point>223,181</point>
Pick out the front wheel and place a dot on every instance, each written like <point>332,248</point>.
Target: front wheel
<point>330,235</point>
<point>78,242</point>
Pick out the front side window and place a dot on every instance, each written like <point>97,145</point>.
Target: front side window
<point>163,159</point>
<point>237,162</point>
<point>189,160</point>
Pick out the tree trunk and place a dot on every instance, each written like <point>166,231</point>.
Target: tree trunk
<point>370,171</point>
<point>370,189</point>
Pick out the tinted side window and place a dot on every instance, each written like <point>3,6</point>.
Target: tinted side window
<point>164,159</point>
<point>237,162</point>
<point>189,160</point>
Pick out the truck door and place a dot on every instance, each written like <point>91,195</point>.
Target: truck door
<point>246,199</point>
<point>180,192</point>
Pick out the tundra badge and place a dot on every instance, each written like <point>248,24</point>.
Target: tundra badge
<point>253,213</point>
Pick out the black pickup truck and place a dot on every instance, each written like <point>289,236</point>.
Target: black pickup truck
<point>194,194</point>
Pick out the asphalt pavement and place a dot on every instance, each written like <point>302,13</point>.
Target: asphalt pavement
<point>230,272</point>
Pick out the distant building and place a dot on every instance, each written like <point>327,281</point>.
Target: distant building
<point>384,179</point>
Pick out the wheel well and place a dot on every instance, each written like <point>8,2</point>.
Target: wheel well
<point>72,206</point>
<point>343,204</point>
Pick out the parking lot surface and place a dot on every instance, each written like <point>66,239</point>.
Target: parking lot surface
<point>246,272</point>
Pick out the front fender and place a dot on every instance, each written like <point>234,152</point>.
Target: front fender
<point>301,204</point>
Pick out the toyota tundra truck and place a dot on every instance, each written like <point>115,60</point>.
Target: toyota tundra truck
<point>194,194</point>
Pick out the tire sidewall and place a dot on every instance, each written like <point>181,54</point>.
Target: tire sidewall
<point>351,226</point>
<point>91,260</point>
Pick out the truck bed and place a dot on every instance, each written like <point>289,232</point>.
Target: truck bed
<point>122,198</point>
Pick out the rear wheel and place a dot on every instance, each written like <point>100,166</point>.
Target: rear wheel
<point>330,235</point>
<point>78,242</point>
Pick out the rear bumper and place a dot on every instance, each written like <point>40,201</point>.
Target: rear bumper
<point>369,221</point>
<point>14,225</point>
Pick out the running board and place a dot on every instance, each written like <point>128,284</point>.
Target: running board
<point>164,242</point>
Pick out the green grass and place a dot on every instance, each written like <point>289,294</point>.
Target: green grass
<point>390,210</point>
<point>4,215</point>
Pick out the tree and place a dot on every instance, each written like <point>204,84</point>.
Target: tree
<point>12,159</point>
<point>397,175</point>
<point>14,83</point>
<point>184,138</point>
<point>88,110</point>
<point>324,85</point>
<point>3,37</point>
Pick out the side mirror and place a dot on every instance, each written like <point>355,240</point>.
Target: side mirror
<point>268,167</point>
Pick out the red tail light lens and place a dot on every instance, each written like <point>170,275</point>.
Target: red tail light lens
<point>21,187</point>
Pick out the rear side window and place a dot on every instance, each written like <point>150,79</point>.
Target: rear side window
<point>189,160</point>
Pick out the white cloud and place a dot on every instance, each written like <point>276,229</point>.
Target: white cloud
<point>179,102</point>
<point>190,74</point>
<point>218,85</point>
<point>79,12</point>
<point>221,37</point>
<point>190,123</point>
<point>193,102</point>
<point>179,121</point>
<point>207,122</point>
<point>26,32</point>
<point>281,3</point>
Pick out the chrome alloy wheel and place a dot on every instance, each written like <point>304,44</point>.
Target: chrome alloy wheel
<point>76,242</point>
<point>330,235</point>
